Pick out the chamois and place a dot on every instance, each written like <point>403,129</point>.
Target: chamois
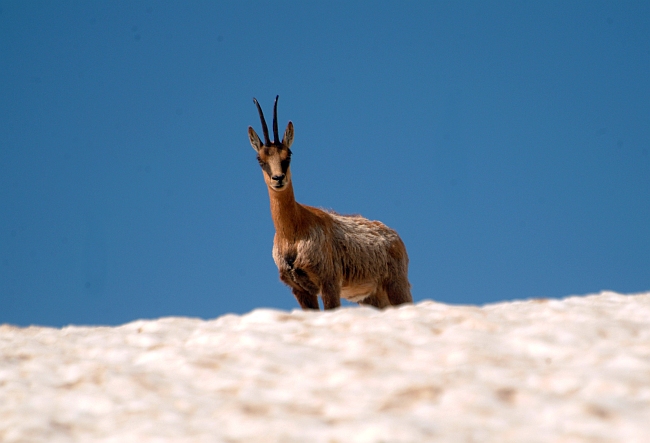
<point>322,252</point>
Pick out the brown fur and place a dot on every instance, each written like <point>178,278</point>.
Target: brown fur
<point>321,252</point>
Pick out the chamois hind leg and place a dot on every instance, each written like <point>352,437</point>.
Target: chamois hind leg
<point>378,299</point>
<point>398,291</point>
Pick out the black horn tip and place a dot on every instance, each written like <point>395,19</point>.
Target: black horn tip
<point>276,137</point>
<point>263,121</point>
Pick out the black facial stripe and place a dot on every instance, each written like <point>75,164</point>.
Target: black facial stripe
<point>284,164</point>
<point>265,166</point>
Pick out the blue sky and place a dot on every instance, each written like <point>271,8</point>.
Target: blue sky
<point>507,142</point>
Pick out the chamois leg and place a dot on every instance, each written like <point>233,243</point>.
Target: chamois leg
<point>378,299</point>
<point>306,300</point>
<point>305,291</point>
<point>399,291</point>
<point>331,295</point>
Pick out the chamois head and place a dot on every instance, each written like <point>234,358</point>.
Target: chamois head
<point>274,157</point>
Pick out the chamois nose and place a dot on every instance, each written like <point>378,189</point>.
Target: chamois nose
<point>278,178</point>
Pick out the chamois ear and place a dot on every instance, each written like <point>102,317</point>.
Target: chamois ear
<point>256,143</point>
<point>288,136</point>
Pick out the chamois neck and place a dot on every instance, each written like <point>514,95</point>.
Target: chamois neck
<point>286,212</point>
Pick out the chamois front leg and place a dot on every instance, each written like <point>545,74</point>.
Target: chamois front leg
<point>305,299</point>
<point>305,291</point>
<point>331,294</point>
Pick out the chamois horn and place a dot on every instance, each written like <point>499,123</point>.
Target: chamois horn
<point>275,121</point>
<point>267,142</point>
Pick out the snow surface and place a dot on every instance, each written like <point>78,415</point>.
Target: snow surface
<point>571,370</point>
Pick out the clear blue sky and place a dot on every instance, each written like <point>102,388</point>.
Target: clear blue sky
<point>507,142</point>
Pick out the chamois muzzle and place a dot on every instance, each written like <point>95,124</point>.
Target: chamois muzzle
<point>279,181</point>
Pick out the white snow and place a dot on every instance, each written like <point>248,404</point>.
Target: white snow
<point>571,370</point>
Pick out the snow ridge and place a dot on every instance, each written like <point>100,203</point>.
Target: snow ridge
<point>570,370</point>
